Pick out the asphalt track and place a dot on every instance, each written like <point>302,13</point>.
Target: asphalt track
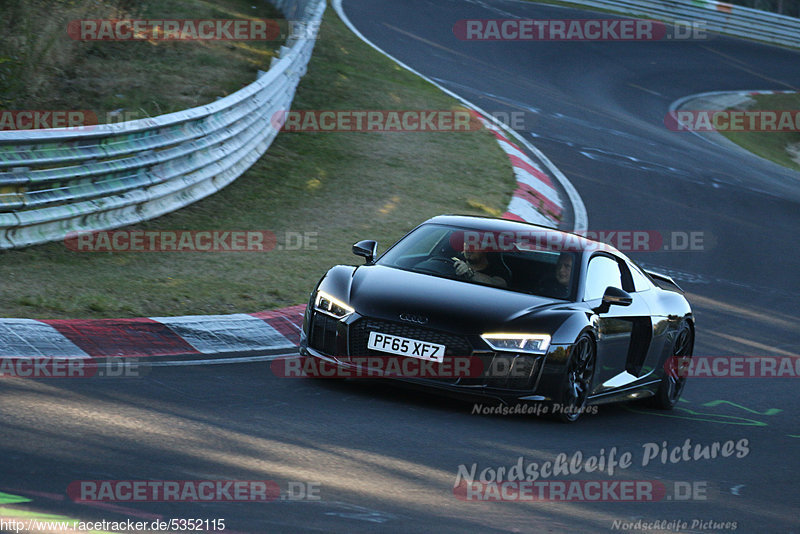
<point>386,458</point>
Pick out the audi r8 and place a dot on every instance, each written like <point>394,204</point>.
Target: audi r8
<point>537,316</point>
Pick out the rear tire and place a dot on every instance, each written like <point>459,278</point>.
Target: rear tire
<point>674,380</point>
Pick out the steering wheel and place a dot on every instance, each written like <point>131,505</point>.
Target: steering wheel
<point>439,259</point>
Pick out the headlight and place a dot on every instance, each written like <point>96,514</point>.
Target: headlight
<point>530,343</point>
<point>332,306</point>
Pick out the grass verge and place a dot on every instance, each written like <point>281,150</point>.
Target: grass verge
<point>782,148</point>
<point>335,187</point>
<point>42,67</point>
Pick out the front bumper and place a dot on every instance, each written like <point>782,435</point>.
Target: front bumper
<point>503,376</point>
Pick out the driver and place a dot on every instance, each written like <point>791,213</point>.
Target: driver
<point>476,267</point>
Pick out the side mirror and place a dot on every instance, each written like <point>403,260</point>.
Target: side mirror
<point>367,248</point>
<point>614,296</point>
<point>617,297</point>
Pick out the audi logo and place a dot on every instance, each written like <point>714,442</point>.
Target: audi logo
<point>411,318</point>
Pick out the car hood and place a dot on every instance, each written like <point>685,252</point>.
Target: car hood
<point>453,305</point>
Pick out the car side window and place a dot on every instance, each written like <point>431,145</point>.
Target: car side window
<point>602,273</point>
<point>640,281</point>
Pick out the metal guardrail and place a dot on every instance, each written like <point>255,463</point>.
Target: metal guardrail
<point>718,17</point>
<point>57,181</point>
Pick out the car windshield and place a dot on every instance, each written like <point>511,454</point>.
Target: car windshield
<point>486,258</point>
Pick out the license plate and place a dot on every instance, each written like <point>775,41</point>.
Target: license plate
<point>404,346</point>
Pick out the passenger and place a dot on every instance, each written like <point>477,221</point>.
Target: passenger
<point>556,284</point>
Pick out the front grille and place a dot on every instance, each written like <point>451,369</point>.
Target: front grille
<point>323,336</point>
<point>455,346</point>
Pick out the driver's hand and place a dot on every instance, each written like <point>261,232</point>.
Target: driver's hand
<point>462,268</point>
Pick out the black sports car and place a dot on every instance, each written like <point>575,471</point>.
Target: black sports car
<point>549,317</point>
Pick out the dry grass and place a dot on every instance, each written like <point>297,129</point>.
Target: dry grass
<point>41,67</point>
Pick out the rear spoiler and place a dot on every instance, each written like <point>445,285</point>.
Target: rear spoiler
<point>664,282</point>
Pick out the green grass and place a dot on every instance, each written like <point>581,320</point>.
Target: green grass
<point>342,186</point>
<point>771,145</point>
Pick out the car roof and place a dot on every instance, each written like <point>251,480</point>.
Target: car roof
<point>492,224</point>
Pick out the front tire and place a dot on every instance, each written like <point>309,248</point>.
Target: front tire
<point>578,379</point>
<point>674,380</point>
